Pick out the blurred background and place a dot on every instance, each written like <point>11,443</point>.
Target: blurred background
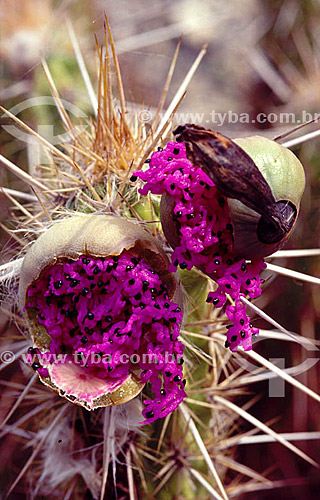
<point>262,57</point>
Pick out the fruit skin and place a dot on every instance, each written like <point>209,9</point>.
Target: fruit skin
<point>97,235</point>
<point>285,175</point>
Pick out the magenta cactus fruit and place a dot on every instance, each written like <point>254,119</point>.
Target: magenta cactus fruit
<point>103,313</point>
<point>196,221</point>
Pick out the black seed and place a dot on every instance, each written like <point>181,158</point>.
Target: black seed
<point>190,216</point>
<point>108,319</point>
<point>172,186</point>
<point>183,265</point>
<point>166,305</point>
<point>242,322</point>
<point>227,344</point>
<point>57,284</point>
<point>168,374</point>
<point>131,282</point>
<point>243,334</point>
<point>248,282</point>
<point>209,299</point>
<point>217,262</point>
<point>229,227</point>
<point>142,305</point>
<point>92,286</point>
<point>233,338</point>
<point>215,301</point>
<point>148,160</point>
<point>169,158</point>
<point>160,148</point>
<point>222,202</point>
<point>149,414</point>
<point>100,284</point>
<point>85,260</point>
<point>96,270</point>
<point>177,378</point>
<point>178,214</point>
<point>173,320</point>
<point>109,368</point>
<point>133,178</point>
<point>176,262</point>
<point>137,296</point>
<point>180,361</point>
<point>228,286</point>
<point>251,325</point>
<point>32,350</point>
<point>90,315</point>
<point>72,332</point>
<point>234,275</point>
<point>85,291</point>
<point>162,392</point>
<point>84,339</point>
<point>243,267</point>
<point>74,283</point>
<point>184,381</point>
<point>219,234</point>
<point>153,290</point>
<point>157,306</point>
<point>177,310</point>
<point>166,322</point>
<point>128,268</point>
<point>229,262</point>
<point>35,366</point>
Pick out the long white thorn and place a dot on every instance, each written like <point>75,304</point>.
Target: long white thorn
<point>193,429</point>
<point>204,483</point>
<point>300,140</point>
<point>283,374</point>
<point>254,421</point>
<point>311,252</point>
<point>22,174</point>
<point>20,195</point>
<point>293,274</point>
<point>182,89</point>
<point>83,68</point>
